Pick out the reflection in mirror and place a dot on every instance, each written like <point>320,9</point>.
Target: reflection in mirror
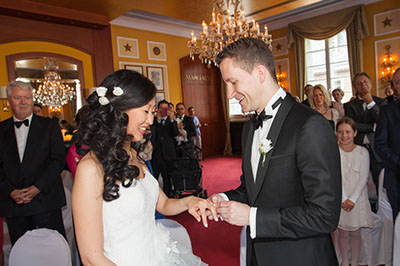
<point>55,82</point>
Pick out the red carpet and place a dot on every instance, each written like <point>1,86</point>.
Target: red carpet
<point>219,243</point>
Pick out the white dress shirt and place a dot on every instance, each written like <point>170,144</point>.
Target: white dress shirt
<point>21,135</point>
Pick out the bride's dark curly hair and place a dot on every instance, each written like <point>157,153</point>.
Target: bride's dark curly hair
<point>103,129</point>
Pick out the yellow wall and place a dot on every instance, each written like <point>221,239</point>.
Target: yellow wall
<point>47,47</point>
<point>369,42</point>
<point>279,33</point>
<point>175,49</point>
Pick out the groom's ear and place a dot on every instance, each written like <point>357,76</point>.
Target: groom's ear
<point>261,73</point>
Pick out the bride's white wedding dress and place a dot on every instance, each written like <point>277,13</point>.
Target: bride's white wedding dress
<point>131,235</point>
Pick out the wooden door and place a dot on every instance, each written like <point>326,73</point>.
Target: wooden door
<point>201,88</point>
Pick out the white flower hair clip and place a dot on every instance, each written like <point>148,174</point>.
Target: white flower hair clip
<point>101,92</point>
<point>118,91</point>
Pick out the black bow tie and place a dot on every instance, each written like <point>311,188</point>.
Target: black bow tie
<point>18,124</point>
<point>258,119</point>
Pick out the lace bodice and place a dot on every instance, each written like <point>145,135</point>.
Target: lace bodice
<point>131,235</point>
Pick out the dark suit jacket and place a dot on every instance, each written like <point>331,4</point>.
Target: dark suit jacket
<point>306,102</point>
<point>364,119</point>
<point>43,161</point>
<point>390,98</point>
<point>164,142</point>
<point>188,125</point>
<point>387,144</point>
<point>298,191</point>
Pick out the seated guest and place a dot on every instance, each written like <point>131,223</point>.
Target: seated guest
<point>364,110</point>
<point>32,157</point>
<point>307,90</point>
<point>356,211</point>
<point>37,109</point>
<point>338,96</point>
<point>395,87</point>
<point>320,100</point>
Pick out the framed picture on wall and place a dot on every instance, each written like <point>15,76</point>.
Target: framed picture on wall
<point>136,68</point>
<point>127,47</point>
<point>155,74</point>
<point>156,51</point>
<point>159,97</point>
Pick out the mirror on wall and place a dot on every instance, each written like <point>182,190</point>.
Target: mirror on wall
<point>55,82</point>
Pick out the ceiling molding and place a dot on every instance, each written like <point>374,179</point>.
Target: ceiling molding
<point>142,20</point>
<point>137,19</point>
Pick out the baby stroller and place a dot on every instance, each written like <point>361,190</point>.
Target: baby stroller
<point>186,176</point>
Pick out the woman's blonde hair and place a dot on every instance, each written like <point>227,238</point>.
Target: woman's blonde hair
<point>326,94</point>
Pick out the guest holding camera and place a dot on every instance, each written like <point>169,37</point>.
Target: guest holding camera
<point>165,130</point>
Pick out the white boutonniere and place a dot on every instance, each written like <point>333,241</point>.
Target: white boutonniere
<point>265,147</point>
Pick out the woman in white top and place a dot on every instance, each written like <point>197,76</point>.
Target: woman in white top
<point>356,211</point>
<point>321,102</point>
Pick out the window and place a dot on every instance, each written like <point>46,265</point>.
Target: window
<point>327,63</point>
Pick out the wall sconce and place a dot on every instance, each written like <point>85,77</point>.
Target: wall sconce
<point>3,95</point>
<point>388,67</point>
<point>280,77</point>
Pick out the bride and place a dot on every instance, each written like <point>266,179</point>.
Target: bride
<point>114,196</point>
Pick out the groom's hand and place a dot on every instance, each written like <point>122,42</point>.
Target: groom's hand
<point>234,212</point>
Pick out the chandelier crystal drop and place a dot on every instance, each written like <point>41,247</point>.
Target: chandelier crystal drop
<point>53,92</point>
<point>225,28</point>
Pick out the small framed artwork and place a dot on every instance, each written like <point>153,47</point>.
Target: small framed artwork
<point>159,97</point>
<point>155,74</point>
<point>136,68</point>
<point>156,51</point>
<point>127,47</point>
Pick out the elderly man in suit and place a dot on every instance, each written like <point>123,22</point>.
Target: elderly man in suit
<point>290,192</point>
<point>364,110</point>
<point>387,145</point>
<point>32,156</point>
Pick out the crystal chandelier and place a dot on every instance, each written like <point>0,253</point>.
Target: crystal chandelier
<point>53,92</point>
<point>225,28</point>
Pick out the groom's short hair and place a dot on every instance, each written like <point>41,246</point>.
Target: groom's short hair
<point>248,53</point>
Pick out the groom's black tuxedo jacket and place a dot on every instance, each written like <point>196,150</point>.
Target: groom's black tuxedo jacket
<point>43,161</point>
<point>298,191</point>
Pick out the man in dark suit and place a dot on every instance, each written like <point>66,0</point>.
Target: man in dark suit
<point>364,110</point>
<point>290,192</point>
<point>164,130</point>
<point>387,145</point>
<point>32,156</point>
<point>187,122</point>
<point>307,90</point>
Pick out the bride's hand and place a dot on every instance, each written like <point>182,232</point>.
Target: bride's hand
<point>198,207</point>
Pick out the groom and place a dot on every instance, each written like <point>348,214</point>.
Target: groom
<point>290,194</point>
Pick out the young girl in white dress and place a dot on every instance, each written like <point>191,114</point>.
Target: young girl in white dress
<point>114,196</point>
<point>356,211</point>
